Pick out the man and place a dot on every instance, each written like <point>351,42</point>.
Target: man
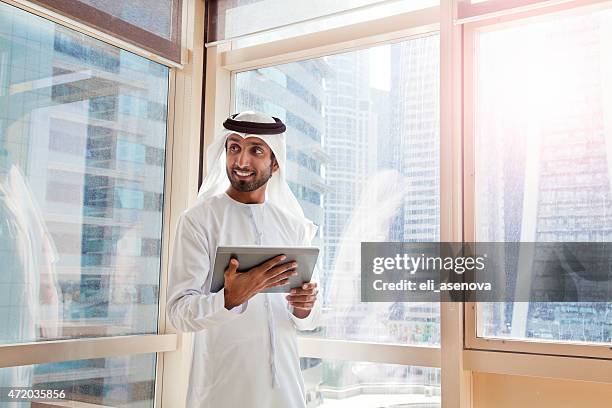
<point>245,349</point>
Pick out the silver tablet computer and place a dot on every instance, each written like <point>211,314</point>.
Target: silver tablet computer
<point>250,256</point>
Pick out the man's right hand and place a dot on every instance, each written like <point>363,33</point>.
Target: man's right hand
<point>241,286</point>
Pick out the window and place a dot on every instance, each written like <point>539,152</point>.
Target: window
<point>82,167</point>
<point>73,185</point>
<point>542,109</point>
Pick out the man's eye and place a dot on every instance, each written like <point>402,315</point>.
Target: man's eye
<point>258,150</point>
<point>233,148</point>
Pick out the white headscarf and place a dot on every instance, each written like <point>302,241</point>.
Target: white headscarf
<point>277,189</point>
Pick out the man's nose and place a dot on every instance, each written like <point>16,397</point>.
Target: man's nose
<point>242,160</point>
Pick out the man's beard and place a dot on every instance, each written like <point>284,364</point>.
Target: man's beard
<point>252,184</point>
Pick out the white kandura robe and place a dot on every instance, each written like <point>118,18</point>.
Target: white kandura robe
<point>246,357</point>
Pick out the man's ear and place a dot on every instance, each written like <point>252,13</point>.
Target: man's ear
<point>274,164</point>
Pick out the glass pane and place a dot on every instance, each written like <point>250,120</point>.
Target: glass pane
<point>82,146</point>
<point>232,19</point>
<point>110,382</point>
<point>348,117</point>
<point>154,16</point>
<point>348,384</point>
<point>543,137</point>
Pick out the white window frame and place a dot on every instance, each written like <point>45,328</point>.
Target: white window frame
<point>542,358</point>
<point>180,190</point>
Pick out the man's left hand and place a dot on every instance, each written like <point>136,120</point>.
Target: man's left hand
<point>303,299</point>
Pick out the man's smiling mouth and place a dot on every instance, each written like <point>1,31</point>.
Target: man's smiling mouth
<point>243,173</point>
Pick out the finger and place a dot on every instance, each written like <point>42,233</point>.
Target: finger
<point>300,291</point>
<point>282,276</point>
<point>232,267</point>
<point>302,305</point>
<point>271,262</point>
<point>309,285</point>
<point>301,298</point>
<point>277,270</point>
<point>279,283</point>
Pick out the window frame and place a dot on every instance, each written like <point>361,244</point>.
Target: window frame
<point>573,354</point>
<point>180,189</point>
<point>223,62</point>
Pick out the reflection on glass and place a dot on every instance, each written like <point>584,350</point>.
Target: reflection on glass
<point>348,384</point>
<point>28,283</point>
<point>542,159</point>
<point>109,382</point>
<point>82,146</point>
<point>363,154</point>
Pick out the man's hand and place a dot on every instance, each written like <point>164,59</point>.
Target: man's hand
<point>303,299</point>
<point>241,286</point>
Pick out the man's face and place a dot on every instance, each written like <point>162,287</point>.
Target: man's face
<point>249,163</point>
